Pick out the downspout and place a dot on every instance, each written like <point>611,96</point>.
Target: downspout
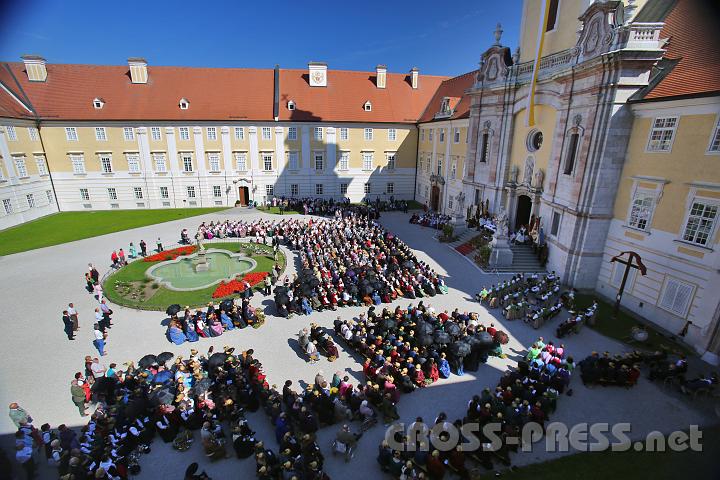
<point>417,155</point>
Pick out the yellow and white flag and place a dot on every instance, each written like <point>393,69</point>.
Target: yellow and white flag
<point>545,9</point>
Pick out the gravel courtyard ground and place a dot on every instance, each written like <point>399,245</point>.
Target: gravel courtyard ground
<point>39,362</point>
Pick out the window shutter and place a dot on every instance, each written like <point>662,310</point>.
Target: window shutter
<point>682,298</point>
<point>668,299</point>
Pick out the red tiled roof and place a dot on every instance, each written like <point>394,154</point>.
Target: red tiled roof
<point>695,43</point>
<point>346,93</point>
<point>455,89</point>
<point>218,94</point>
<point>10,108</point>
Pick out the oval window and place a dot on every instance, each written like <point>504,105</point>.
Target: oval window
<point>534,140</point>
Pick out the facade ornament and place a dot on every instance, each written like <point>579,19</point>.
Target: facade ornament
<point>514,170</point>
<point>529,167</point>
<point>538,181</point>
<point>498,33</point>
<point>487,124</point>
<point>577,119</point>
<point>516,56</point>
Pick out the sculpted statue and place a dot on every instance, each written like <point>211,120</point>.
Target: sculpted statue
<point>539,177</point>
<point>514,174</point>
<point>529,166</point>
<point>501,222</point>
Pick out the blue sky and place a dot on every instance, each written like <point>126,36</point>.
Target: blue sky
<point>439,37</point>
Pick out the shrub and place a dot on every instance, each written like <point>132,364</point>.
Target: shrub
<point>448,230</point>
<point>483,255</point>
<point>155,285</point>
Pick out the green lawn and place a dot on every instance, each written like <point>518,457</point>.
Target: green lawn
<point>162,297</point>
<point>630,465</point>
<point>276,210</point>
<point>620,328</point>
<point>70,226</point>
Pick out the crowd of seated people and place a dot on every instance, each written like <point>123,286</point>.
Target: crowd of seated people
<point>350,260</point>
<point>430,219</point>
<point>575,322</point>
<point>214,321</point>
<point>526,394</point>
<point>621,370</point>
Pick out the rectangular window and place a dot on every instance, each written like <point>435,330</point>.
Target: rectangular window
<point>41,165</point>
<point>456,136</point>
<point>343,188</point>
<point>676,297</point>
<point>293,160</point>
<point>450,203</point>
<point>7,205</point>
<point>662,134</point>
<point>155,134</point>
<point>294,190</point>
<point>241,161</point>
<point>368,134</point>
<point>555,227</point>
<point>133,160</point>
<point>191,191</point>
<point>137,191</point>
<point>439,166</point>
<point>641,210</point>
<point>422,134</point>
<point>50,196</point>
<point>367,161</point>
<point>211,133</point>
<point>269,190</point>
<point>430,134</point>
<point>441,138</point>
<point>214,162</point>
<point>33,134</point>
<point>366,188</point>
<point>160,164</point>
<point>453,170</point>
<point>344,162</point>
<point>164,192</point>
<point>319,162</point>
<point>715,139</point>
<point>467,134</point>
<point>112,193</point>
<point>427,191</point>
<point>30,200</point>
<point>318,189</point>
<point>392,134</point>
<point>100,134</point>
<point>485,144</point>
<point>267,162</point>
<point>105,163</point>
<point>128,134</point>
<point>84,194</point>
<point>184,133</point>
<point>266,133</point>
<point>239,133</point>
<point>71,134</point>
<point>318,133</point>
<point>700,223</point>
<point>11,133</point>
<point>292,133</point>
<point>344,135</point>
<point>186,162</point>
<point>217,192</point>
<point>78,164</point>
<point>390,188</point>
<point>20,167</point>
<point>552,15</point>
<point>391,161</point>
<point>571,153</point>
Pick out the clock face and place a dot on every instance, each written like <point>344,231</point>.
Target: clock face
<point>318,77</point>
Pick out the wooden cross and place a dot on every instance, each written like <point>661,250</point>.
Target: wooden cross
<point>632,257</point>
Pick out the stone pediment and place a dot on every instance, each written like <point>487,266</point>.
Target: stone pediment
<point>599,26</point>
<point>494,64</point>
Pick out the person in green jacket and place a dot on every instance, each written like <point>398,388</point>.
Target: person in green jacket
<point>78,397</point>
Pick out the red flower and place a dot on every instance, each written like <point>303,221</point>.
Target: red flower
<point>237,286</point>
<point>171,254</point>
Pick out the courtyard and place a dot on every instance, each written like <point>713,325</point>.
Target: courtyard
<point>39,362</point>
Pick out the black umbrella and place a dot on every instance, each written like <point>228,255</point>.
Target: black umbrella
<point>388,323</point>
<point>164,357</point>
<point>163,396</point>
<point>173,309</point>
<point>424,328</point>
<point>202,386</point>
<point>147,360</point>
<point>485,339</point>
<point>226,305</point>
<point>425,340</point>
<point>441,338</point>
<point>216,360</point>
<point>452,328</point>
<point>280,290</point>
<point>460,349</point>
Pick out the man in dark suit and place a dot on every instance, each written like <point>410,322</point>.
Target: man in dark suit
<point>67,321</point>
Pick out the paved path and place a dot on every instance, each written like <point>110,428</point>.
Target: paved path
<point>39,362</point>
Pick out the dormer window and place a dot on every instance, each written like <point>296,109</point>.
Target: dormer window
<point>368,106</point>
<point>184,104</point>
<point>291,105</point>
<point>445,106</point>
<point>98,103</point>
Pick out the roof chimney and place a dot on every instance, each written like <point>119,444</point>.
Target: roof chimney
<point>138,70</point>
<point>35,68</point>
<point>414,76</point>
<point>381,79</point>
<point>318,74</point>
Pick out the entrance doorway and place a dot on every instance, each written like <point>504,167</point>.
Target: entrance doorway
<point>243,195</point>
<point>522,215</point>
<point>435,198</point>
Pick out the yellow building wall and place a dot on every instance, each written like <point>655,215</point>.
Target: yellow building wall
<point>24,146</point>
<point>404,146</point>
<point>686,162</point>
<point>545,118</point>
<point>564,35</point>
